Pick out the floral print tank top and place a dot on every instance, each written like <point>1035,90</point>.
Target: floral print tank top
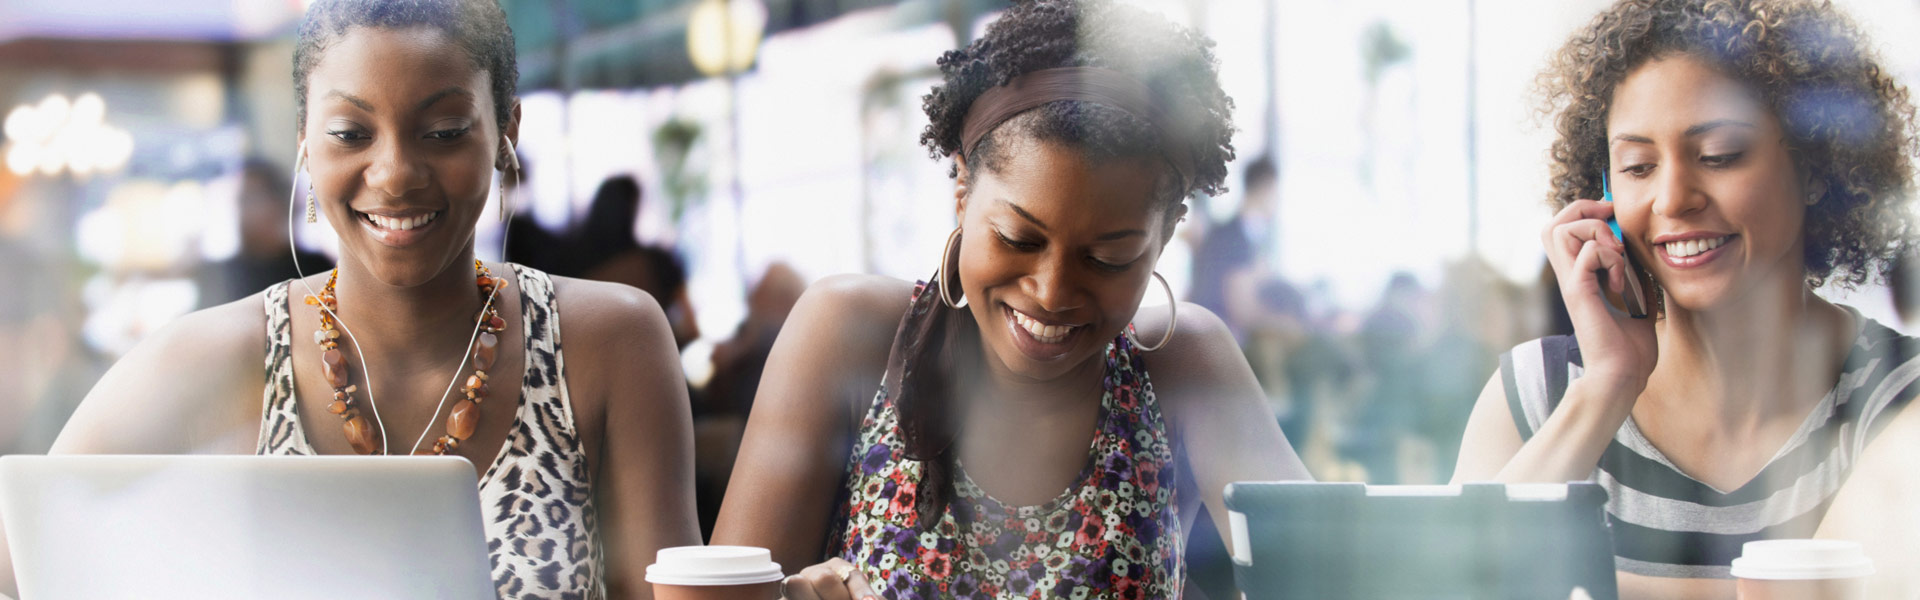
<point>1115,534</point>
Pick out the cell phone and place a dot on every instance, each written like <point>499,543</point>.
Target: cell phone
<point>1635,299</point>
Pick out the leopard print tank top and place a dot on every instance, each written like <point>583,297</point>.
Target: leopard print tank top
<point>536,497</point>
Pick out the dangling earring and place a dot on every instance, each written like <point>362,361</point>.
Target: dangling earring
<point>947,278</point>
<point>313,214</point>
<point>1173,319</point>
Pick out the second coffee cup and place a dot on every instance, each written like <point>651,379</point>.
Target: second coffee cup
<point>715,573</point>
<point>1801,570</point>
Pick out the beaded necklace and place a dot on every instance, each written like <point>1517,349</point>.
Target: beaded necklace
<point>465,418</point>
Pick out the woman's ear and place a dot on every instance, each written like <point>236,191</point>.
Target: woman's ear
<point>510,136</point>
<point>962,179</point>
<point>1174,217</point>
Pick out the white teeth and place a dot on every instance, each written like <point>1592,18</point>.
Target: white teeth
<point>400,224</point>
<point>1688,248</point>
<point>1046,334</point>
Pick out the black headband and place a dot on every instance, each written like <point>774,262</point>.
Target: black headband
<point>1106,87</point>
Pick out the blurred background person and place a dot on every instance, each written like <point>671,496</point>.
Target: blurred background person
<point>262,259</point>
<point>1233,254</point>
<point>721,410</point>
<point>606,250</point>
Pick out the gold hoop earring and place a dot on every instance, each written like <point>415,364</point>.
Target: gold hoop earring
<point>947,278</point>
<point>1173,319</point>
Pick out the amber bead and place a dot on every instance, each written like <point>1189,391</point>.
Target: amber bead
<point>334,366</point>
<point>484,351</point>
<point>448,441</point>
<point>496,324</point>
<point>360,435</point>
<point>463,420</point>
<point>338,407</point>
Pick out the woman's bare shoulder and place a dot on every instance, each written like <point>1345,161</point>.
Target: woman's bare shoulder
<point>1200,359</point>
<point>592,309</point>
<point>194,385</point>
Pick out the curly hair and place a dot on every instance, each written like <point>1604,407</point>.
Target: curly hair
<point>478,26</point>
<point>1848,125</point>
<point>1176,65</point>
<point>1174,62</point>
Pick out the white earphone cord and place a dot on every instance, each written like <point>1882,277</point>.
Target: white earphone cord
<point>293,203</point>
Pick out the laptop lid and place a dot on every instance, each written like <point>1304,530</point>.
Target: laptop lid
<point>1350,540</point>
<point>244,527</point>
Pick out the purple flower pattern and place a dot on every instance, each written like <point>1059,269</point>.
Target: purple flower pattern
<point>1115,534</point>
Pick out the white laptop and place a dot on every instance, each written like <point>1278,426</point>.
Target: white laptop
<point>243,527</point>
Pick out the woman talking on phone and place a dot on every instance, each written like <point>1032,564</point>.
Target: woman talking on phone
<point>406,117</point>
<point>995,432</point>
<point>1753,150</point>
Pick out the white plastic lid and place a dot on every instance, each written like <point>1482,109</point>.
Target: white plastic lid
<point>714,565</point>
<point>1802,559</point>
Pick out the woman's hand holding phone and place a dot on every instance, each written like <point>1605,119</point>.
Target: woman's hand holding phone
<point>1617,350</point>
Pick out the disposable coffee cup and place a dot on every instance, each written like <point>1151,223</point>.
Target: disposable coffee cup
<point>715,573</point>
<point>1801,569</point>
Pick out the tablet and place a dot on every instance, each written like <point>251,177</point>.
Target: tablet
<point>1483,540</point>
<point>244,527</point>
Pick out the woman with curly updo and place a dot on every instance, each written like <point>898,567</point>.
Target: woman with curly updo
<point>1753,150</point>
<point>1015,447</point>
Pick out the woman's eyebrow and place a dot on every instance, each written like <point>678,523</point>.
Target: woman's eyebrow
<point>1104,237</point>
<point>351,99</point>
<point>424,104</point>
<point>1023,213</point>
<point>1716,124</point>
<point>442,94</point>
<point>1694,131</point>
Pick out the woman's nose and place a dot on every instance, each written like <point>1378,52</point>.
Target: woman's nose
<point>395,171</point>
<point>1052,286</point>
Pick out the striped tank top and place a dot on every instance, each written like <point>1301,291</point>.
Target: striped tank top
<point>1667,524</point>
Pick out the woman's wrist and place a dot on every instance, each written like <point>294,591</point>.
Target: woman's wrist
<point>1608,389</point>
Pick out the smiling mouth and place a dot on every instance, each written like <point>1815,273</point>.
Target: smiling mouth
<point>1686,248</point>
<point>1041,332</point>
<point>398,223</point>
